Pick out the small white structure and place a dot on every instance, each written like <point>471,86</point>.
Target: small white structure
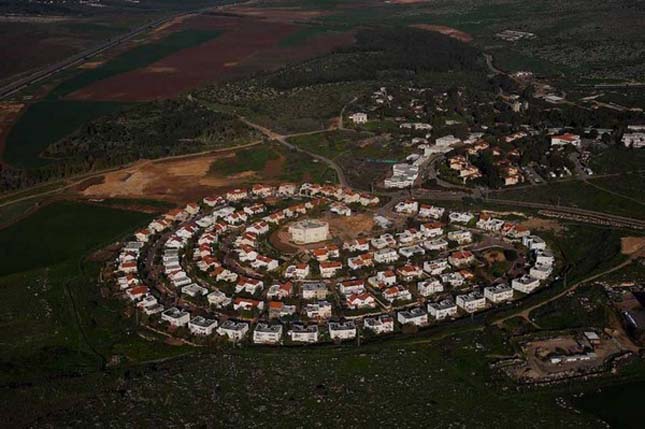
<point>358,118</point>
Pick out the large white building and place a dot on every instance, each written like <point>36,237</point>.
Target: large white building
<point>235,331</point>
<point>309,231</point>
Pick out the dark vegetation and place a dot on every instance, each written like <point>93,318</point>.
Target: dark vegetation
<point>382,54</point>
<point>151,130</point>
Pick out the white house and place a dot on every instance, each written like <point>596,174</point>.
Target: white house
<point>471,302</point>
<point>360,301</point>
<point>442,309</point>
<point>382,324</point>
<point>265,333</point>
<point>235,331</point>
<point>408,207</point>
<point>429,287</point>
<point>415,316</point>
<point>303,334</point>
<point>565,139</point>
<point>435,266</point>
<point>431,212</point>
<point>342,330</point>
<point>386,256</point>
<point>437,244</point>
<point>460,236</point>
<point>175,317</point>
<point>498,293</point>
<point>318,310</point>
<point>202,326</point>
<point>525,284</point>
<point>218,299</point>
<point>431,230</point>
<point>460,217</point>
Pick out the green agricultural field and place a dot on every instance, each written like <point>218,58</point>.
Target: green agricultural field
<point>618,160</point>
<point>56,323</point>
<point>59,232</point>
<point>46,122</point>
<point>254,159</point>
<point>587,307</point>
<point>288,165</point>
<point>328,144</point>
<point>135,58</point>
<point>583,195</point>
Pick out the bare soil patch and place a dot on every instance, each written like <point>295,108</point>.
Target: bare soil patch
<point>631,245</point>
<point>448,31</point>
<point>349,227</point>
<point>178,181</point>
<point>90,65</point>
<point>536,223</point>
<point>285,14</point>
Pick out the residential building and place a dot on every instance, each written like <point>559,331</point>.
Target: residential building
<point>442,309</point>
<point>175,317</point>
<point>235,331</point>
<point>265,333</point>
<point>381,324</point>
<point>471,302</point>
<point>303,334</point>
<point>200,325</point>
<point>414,316</point>
<point>498,293</point>
<point>342,330</point>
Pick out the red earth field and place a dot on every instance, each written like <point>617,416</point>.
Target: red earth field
<point>246,45</point>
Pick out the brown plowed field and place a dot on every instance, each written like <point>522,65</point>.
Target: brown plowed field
<point>194,66</point>
<point>246,46</point>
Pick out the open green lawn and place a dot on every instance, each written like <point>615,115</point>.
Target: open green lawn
<point>135,58</point>
<point>46,122</point>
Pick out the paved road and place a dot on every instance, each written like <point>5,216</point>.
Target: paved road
<point>283,140</point>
